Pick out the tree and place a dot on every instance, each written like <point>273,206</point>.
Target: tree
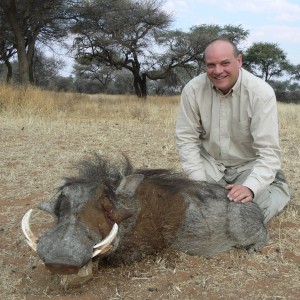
<point>184,50</point>
<point>135,35</point>
<point>120,34</point>
<point>45,70</point>
<point>294,71</point>
<point>182,57</point>
<point>86,69</point>
<point>7,51</point>
<point>29,21</point>
<point>7,48</point>
<point>122,83</point>
<point>286,91</point>
<point>266,60</point>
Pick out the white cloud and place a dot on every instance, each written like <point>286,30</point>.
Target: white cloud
<point>282,8</point>
<point>276,21</point>
<point>176,7</point>
<point>285,10</point>
<point>281,33</point>
<point>287,38</point>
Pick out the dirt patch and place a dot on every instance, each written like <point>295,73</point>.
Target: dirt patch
<point>36,154</point>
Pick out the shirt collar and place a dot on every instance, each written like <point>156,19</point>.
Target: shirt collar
<point>237,85</point>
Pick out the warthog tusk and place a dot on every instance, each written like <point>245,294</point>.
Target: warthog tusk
<point>105,245</point>
<point>30,237</point>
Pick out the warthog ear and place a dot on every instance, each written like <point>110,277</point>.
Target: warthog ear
<point>129,184</point>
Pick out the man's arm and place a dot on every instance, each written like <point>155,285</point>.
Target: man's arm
<point>264,130</point>
<point>187,134</point>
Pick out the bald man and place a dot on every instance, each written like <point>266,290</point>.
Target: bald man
<point>227,131</point>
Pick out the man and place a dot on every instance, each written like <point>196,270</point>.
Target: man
<point>227,131</point>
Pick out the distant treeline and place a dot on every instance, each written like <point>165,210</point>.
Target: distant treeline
<point>122,46</point>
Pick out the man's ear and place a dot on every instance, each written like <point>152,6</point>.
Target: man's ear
<point>240,60</point>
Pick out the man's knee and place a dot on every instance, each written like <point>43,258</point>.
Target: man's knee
<point>273,199</point>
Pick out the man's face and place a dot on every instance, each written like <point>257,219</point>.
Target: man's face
<point>222,66</point>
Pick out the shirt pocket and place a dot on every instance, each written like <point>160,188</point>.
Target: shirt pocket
<point>240,131</point>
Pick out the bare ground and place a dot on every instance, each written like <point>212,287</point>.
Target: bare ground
<point>35,154</point>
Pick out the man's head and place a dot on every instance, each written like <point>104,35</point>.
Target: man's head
<point>223,61</point>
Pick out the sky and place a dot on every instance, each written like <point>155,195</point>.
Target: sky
<point>273,21</point>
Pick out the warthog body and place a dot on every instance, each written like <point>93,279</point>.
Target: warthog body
<point>154,209</point>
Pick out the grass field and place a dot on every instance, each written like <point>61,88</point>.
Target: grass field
<point>42,134</point>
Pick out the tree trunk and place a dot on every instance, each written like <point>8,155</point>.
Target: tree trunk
<point>9,71</point>
<point>30,54</point>
<point>20,41</point>
<point>140,86</point>
<point>23,66</point>
<point>143,86</point>
<point>137,87</point>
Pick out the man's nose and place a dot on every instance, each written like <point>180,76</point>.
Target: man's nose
<point>218,69</point>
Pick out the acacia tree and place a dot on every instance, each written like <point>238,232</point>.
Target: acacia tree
<point>184,50</point>
<point>135,35</point>
<point>120,34</point>
<point>29,21</point>
<point>7,47</point>
<point>295,72</point>
<point>47,69</point>
<point>7,51</point>
<point>91,70</point>
<point>266,60</point>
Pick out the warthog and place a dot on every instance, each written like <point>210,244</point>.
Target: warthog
<point>124,214</point>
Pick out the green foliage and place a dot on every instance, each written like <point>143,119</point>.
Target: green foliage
<point>121,46</point>
<point>266,60</point>
<point>120,34</point>
<point>134,35</point>
<point>295,72</point>
<point>23,24</point>
<point>286,91</point>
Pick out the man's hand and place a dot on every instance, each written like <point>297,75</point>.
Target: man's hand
<point>238,192</point>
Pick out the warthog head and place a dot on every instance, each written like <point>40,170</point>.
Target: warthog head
<point>87,218</point>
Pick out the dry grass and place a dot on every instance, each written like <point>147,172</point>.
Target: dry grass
<point>28,102</point>
<point>43,133</point>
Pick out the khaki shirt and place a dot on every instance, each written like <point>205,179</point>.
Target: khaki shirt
<point>238,130</point>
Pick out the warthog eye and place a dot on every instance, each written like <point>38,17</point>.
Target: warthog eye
<point>62,206</point>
